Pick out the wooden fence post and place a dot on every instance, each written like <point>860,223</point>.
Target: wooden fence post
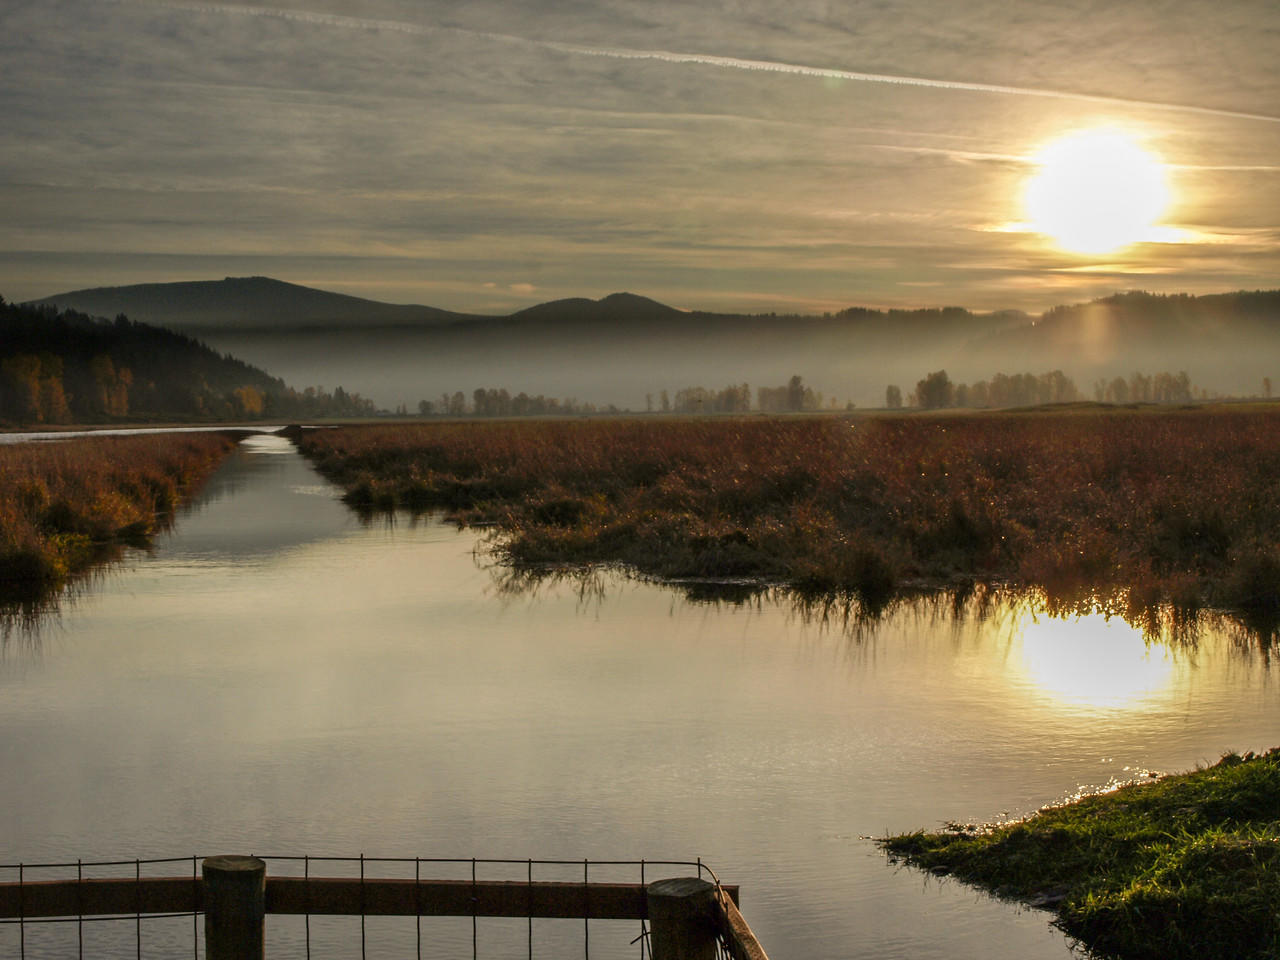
<point>234,905</point>
<point>681,919</point>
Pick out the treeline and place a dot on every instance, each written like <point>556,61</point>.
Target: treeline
<point>735,398</point>
<point>793,396</point>
<point>937,390</point>
<point>1139,388</point>
<point>67,367</point>
<point>490,402</point>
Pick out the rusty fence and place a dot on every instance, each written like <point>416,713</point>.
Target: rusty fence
<point>216,908</point>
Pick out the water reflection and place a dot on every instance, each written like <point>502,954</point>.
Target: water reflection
<point>385,689</point>
<point>1093,662</point>
<point>1109,633</point>
<point>27,609</point>
<point>263,500</point>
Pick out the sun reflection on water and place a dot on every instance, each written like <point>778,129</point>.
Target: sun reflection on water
<point>1094,662</point>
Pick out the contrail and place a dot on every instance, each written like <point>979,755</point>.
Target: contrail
<point>709,60</point>
<point>774,66</point>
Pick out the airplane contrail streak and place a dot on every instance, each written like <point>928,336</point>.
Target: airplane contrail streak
<point>704,59</point>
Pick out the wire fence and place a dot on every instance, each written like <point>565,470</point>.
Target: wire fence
<point>152,908</point>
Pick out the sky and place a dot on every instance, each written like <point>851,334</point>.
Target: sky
<point>735,155</point>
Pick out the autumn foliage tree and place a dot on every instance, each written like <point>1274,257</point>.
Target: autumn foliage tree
<point>62,367</point>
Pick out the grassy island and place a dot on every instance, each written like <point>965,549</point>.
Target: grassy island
<point>1156,506</point>
<point>1187,866</point>
<point>66,504</point>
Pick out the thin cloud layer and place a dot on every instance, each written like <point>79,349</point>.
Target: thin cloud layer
<point>738,156</point>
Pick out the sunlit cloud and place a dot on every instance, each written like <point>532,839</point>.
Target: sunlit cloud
<point>1116,269</point>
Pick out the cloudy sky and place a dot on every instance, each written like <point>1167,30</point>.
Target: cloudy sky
<point>728,154</point>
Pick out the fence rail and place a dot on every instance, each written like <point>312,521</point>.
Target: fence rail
<point>682,918</point>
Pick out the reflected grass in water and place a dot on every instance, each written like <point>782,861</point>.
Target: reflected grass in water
<point>849,615</point>
<point>69,506</point>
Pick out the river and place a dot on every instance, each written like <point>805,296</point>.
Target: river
<point>276,678</point>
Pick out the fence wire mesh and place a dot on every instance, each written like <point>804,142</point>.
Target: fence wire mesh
<point>173,935</point>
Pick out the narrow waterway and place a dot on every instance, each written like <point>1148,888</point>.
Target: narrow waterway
<point>277,678</point>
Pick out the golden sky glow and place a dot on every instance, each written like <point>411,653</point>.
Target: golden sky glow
<point>736,156</point>
<point>1097,191</point>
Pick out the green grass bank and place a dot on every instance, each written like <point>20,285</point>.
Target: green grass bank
<point>1183,868</point>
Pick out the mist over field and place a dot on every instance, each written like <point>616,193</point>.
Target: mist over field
<point>624,350</point>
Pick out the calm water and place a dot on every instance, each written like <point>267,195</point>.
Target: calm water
<point>276,678</point>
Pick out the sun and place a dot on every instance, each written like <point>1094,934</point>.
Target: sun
<point>1096,191</point>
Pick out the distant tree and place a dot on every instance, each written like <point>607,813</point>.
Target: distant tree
<point>692,400</point>
<point>934,391</point>
<point>1057,387</point>
<point>426,408</point>
<point>1266,387</point>
<point>980,394</point>
<point>250,401</point>
<point>1171,388</point>
<point>666,402</point>
<point>771,399</point>
<point>795,393</point>
<point>735,398</point>
<point>20,382</point>
<point>1140,388</point>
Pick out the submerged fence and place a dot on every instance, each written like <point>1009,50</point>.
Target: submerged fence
<point>56,910</point>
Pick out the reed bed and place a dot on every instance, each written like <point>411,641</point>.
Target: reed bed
<point>66,504</point>
<point>1159,507</point>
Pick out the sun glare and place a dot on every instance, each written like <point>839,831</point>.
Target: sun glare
<point>1093,663</point>
<point>1096,191</point>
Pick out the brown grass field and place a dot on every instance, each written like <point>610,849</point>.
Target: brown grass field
<point>1151,506</point>
<point>65,505</point>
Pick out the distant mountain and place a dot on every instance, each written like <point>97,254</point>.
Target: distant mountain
<point>244,303</point>
<point>262,304</point>
<point>615,309</point>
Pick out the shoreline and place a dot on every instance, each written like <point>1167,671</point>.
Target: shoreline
<point>1185,867</point>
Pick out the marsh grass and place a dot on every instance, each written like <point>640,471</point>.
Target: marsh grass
<point>1184,867</point>
<point>1162,507</point>
<point>67,505</point>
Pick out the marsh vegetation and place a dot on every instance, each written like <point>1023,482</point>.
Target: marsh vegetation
<point>66,504</point>
<point>1132,510</point>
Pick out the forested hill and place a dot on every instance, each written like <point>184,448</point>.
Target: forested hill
<point>66,367</point>
<point>246,303</point>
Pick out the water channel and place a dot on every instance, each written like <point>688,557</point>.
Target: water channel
<point>275,677</point>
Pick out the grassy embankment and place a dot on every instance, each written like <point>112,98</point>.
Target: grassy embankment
<point>1184,867</point>
<point>67,504</point>
<point>1153,506</point>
